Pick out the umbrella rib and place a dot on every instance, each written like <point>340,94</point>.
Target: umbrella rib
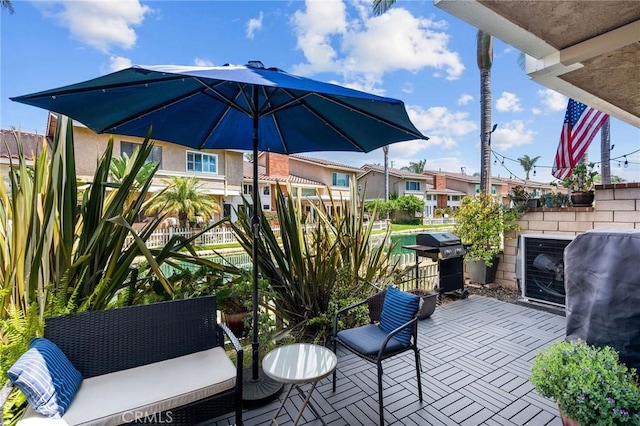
<point>103,87</point>
<point>157,107</point>
<point>228,101</point>
<point>372,116</point>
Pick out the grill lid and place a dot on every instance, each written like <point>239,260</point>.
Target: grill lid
<point>438,239</point>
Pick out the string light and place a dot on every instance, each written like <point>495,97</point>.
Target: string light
<point>626,162</point>
<point>619,158</point>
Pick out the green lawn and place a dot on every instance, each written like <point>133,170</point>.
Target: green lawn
<point>396,227</point>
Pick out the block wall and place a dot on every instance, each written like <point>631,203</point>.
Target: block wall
<point>616,206</point>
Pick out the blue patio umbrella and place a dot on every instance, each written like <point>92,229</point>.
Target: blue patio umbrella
<point>233,107</point>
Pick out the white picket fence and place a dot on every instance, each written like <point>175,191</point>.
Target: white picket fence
<point>404,263</point>
<point>216,236</point>
<point>438,221</point>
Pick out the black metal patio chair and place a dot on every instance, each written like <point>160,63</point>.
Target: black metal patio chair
<point>392,331</point>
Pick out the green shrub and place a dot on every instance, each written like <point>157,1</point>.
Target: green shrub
<point>588,383</point>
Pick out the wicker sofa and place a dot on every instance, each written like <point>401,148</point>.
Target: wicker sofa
<point>161,363</point>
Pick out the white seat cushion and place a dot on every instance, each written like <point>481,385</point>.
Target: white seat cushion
<point>115,398</point>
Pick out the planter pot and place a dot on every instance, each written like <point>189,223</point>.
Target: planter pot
<point>428,303</point>
<point>582,199</point>
<point>567,421</point>
<point>235,322</point>
<point>480,273</point>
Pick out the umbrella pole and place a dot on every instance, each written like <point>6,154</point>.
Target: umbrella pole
<point>257,388</point>
<point>255,228</point>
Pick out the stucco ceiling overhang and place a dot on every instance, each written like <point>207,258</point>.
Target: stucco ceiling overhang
<point>587,50</point>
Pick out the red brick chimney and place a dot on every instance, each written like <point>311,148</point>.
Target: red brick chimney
<point>440,182</point>
<point>276,164</point>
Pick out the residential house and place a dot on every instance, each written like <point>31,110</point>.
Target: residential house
<point>470,185</point>
<point>275,172</point>
<point>32,145</point>
<point>403,182</point>
<point>315,180</point>
<point>220,171</point>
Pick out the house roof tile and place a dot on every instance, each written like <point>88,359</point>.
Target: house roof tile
<point>247,172</point>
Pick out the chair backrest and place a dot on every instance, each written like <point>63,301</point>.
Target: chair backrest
<point>102,342</point>
<point>375,304</point>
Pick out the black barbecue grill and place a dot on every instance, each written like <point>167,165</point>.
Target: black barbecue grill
<point>447,249</point>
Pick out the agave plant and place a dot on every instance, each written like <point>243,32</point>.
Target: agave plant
<point>304,264</point>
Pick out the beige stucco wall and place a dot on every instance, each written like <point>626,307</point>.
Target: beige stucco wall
<point>373,186</point>
<point>90,146</point>
<point>374,182</point>
<point>322,174</point>
<point>616,207</point>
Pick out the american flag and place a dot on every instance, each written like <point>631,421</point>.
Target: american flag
<point>581,123</point>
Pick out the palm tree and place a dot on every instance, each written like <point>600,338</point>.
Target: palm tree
<point>184,197</point>
<point>605,152</point>
<point>6,4</point>
<point>528,163</point>
<point>485,61</point>
<point>120,167</point>
<point>416,167</point>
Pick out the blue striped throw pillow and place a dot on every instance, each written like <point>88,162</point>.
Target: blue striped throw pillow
<point>46,377</point>
<point>398,308</point>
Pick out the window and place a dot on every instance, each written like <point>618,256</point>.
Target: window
<point>493,189</point>
<point>412,185</point>
<point>247,189</point>
<point>266,191</point>
<point>129,147</point>
<point>340,179</point>
<point>455,198</point>
<point>308,192</point>
<point>200,162</point>
<point>266,207</point>
<point>226,209</point>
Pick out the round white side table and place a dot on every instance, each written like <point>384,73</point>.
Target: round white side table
<point>299,364</point>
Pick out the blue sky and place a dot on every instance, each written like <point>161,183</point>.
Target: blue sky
<point>414,52</point>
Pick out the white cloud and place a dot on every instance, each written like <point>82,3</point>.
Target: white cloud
<point>119,63</point>
<point>443,127</point>
<point>536,111</point>
<point>365,47</point>
<point>407,88</point>
<point>314,28</point>
<point>253,25</point>
<point>508,102</point>
<point>100,24</point>
<point>199,62</point>
<point>552,100</point>
<point>369,86</point>
<point>464,99</point>
<point>513,133</point>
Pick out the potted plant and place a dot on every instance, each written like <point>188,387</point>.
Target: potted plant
<point>234,298</point>
<point>520,198</point>
<point>580,183</point>
<point>591,386</point>
<point>481,224</point>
